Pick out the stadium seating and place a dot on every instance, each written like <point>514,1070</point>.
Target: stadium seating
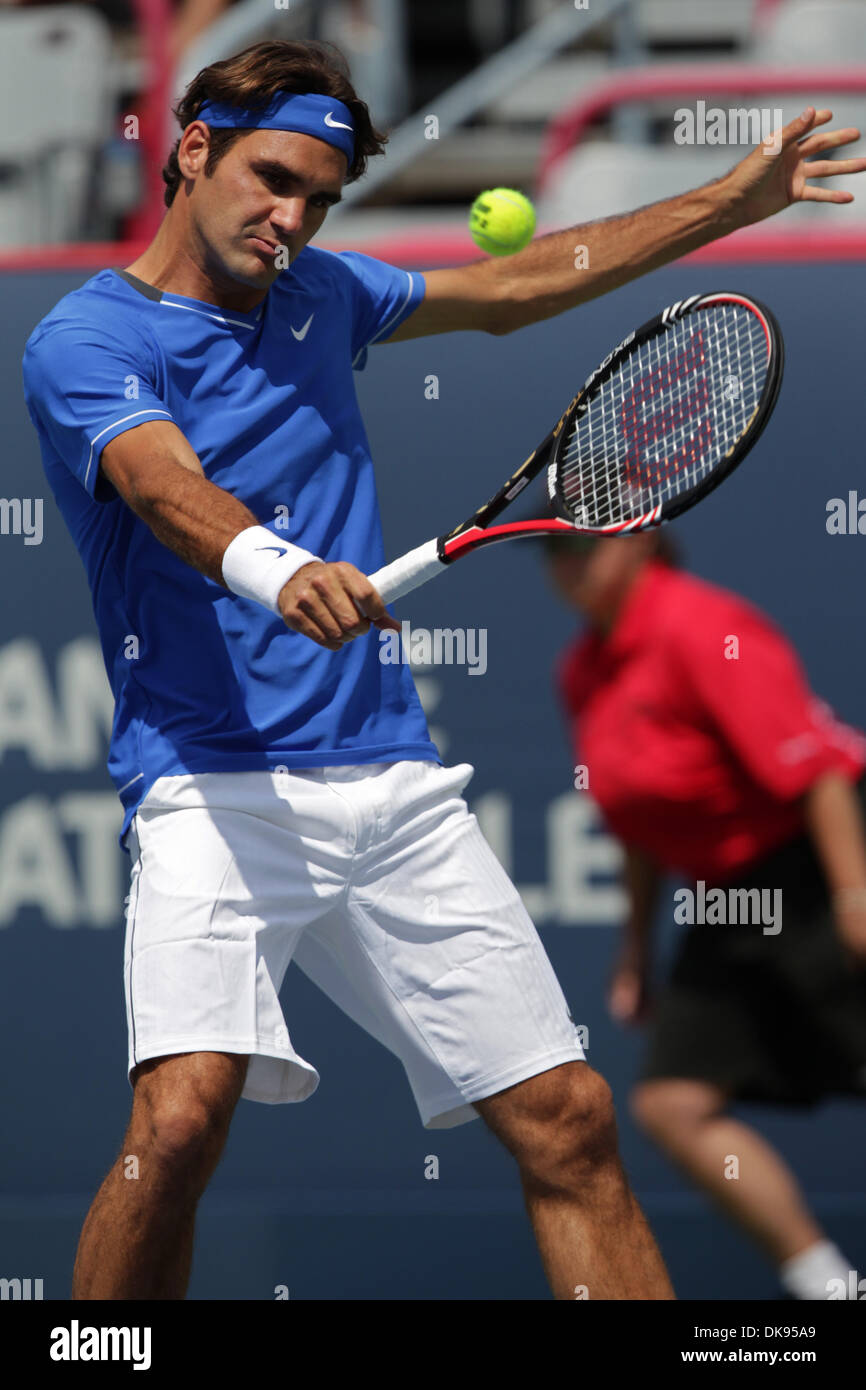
<point>55,116</point>
<point>813,31</point>
<point>601,179</point>
<point>806,32</point>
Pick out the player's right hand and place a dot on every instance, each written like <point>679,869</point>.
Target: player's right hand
<point>332,604</point>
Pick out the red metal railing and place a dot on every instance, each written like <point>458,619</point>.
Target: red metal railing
<point>154,111</point>
<point>696,82</point>
<point>768,241</point>
<point>424,250</point>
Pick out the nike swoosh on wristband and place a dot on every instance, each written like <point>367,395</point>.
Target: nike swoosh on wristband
<point>337,124</point>
<point>301,333</point>
<point>278,548</point>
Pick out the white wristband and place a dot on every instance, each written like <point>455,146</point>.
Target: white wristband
<point>257,564</point>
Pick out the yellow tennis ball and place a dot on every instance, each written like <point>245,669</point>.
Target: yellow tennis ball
<point>502,221</point>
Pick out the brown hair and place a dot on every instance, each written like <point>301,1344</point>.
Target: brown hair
<point>253,77</point>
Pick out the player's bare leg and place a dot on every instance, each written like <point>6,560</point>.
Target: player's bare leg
<point>561,1128</point>
<point>687,1120</point>
<point>137,1238</point>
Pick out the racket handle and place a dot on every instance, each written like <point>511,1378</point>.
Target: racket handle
<point>408,571</point>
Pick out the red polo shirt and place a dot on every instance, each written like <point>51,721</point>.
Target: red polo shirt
<point>697,726</point>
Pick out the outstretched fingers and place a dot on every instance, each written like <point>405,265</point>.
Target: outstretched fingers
<point>809,194</point>
<point>798,128</point>
<point>828,140</point>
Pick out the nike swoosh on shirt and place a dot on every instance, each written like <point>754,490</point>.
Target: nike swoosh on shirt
<point>301,333</point>
<point>340,124</point>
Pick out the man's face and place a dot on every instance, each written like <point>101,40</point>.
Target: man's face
<point>266,198</point>
<point>593,577</point>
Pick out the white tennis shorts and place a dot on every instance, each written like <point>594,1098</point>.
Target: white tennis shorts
<point>377,882</point>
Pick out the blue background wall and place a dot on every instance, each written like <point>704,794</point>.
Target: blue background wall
<point>329,1198</point>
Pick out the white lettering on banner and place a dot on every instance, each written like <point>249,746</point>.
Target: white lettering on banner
<point>85,704</point>
<point>35,869</point>
<point>83,885</point>
<point>38,869</point>
<point>579,854</point>
<point>69,732</point>
<point>59,853</point>
<point>95,819</point>
<point>27,716</point>
<point>583,861</point>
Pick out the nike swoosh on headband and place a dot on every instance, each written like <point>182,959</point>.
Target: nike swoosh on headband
<point>309,113</point>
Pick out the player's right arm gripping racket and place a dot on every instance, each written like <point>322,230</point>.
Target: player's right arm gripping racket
<point>667,415</point>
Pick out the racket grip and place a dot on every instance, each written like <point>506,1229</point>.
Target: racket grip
<point>408,571</point>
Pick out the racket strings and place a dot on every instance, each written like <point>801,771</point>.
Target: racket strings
<point>667,417</point>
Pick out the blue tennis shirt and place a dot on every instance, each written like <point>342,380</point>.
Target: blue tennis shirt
<point>205,681</point>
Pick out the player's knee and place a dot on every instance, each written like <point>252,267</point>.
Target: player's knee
<point>664,1106</point>
<point>181,1117</point>
<point>572,1139</point>
<point>185,1137</point>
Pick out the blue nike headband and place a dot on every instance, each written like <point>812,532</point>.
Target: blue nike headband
<point>309,113</point>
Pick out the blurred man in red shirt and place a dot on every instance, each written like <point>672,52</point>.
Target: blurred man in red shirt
<point>712,760</point>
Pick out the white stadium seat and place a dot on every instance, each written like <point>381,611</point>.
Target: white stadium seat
<point>813,31</point>
<point>825,33</point>
<point>601,179</point>
<point>55,114</point>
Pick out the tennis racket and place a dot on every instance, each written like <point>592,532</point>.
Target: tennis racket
<point>661,422</point>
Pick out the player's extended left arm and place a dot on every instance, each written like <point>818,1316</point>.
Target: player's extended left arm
<point>562,269</point>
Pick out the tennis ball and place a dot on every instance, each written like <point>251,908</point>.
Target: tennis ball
<point>502,221</point>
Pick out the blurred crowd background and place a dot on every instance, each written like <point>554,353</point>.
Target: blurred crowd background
<point>573,102</point>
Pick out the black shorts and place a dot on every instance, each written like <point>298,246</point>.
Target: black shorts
<point>769,1018</point>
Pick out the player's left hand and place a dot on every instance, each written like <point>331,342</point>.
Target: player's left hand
<point>780,170</point>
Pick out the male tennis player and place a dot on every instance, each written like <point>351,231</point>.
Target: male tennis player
<point>282,797</point>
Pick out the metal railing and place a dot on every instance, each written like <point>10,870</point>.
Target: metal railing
<point>485,84</point>
<point>694,81</point>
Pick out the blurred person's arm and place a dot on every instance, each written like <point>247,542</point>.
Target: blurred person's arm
<point>835,823</point>
<point>759,701</point>
<point>628,989</point>
<point>500,294</point>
